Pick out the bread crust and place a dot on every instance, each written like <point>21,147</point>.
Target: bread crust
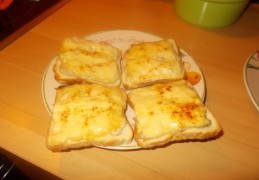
<point>62,79</point>
<point>202,133</point>
<point>124,136</point>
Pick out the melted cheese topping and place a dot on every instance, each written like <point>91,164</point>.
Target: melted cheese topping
<point>167,108</point>
<point>89,60</point>
<point>151,61</point>
<point>85,112</point>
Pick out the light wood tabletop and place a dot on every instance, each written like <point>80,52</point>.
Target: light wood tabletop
<point>220,53</point>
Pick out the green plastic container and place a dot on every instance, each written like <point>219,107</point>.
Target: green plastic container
<point>210,13</point>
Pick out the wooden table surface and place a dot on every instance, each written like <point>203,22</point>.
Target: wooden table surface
<point>220,53</point>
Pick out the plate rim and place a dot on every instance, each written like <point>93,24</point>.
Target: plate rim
<point>43,86</point>
<point>245,68</point>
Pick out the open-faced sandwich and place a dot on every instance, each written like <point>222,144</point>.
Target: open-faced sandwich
<point>85,61</point>
<point>90,111</point>
<point>148,63</point>
<point>86,115</point>
<point>167,112</point>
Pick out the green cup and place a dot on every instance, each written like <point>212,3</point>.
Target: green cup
<point>210,13</point>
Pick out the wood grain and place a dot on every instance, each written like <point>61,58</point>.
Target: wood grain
<point>221,54</point>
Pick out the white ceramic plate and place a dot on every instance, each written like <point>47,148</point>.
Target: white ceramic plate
<point>251,77</point>
<point>121,39</point>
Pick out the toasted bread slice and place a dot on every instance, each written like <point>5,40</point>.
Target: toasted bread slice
<point>148,63</point>
<point>85,61</point>
<point>169,112</point>
<point>88,115</point>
